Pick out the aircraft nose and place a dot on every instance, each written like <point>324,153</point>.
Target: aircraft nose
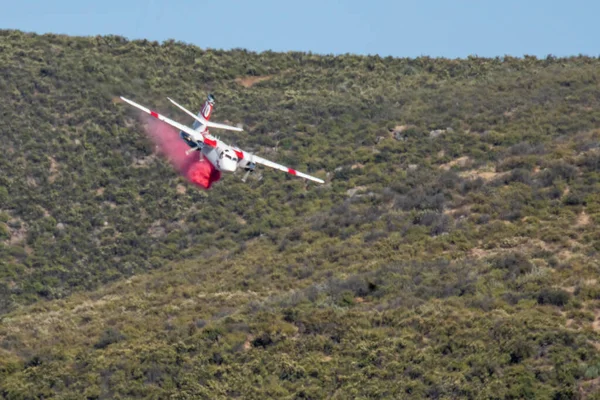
<point>230,165</point>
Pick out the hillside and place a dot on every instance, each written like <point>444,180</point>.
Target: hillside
<point>452,253</point>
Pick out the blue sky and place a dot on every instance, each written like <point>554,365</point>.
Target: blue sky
<point>402,28</point>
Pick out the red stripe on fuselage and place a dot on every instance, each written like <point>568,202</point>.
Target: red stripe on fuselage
<point>154,114</point>
<point>210,142</point>
<point>292,171</point>
<point>239,154</point>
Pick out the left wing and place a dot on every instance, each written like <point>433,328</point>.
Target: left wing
<point>259,160</point>
<point>186,129</point>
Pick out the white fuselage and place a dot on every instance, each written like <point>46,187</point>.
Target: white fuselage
<point>221,157</point>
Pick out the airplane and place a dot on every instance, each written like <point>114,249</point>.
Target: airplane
<point>222,156</point>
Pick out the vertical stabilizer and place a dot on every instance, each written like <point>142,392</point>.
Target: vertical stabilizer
<point>205,111</point>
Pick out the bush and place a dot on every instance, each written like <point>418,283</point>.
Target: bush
<point>554,297</point>
<point>557,171</point>
<point>526,148</point>
<point>437,222</point>
<point>574,199</point>
<point>515,263</point>
<point>519,175</point>
<point>469,185</point>
<point>520,350</point>
<point>110,336</point>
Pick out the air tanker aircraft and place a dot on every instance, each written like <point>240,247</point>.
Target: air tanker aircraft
<point>223,157</point>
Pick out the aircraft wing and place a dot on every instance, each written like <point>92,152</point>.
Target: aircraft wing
<point>262,161</point>
<point>176,124</point>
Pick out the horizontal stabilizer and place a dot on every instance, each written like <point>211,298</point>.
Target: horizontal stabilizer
<point>203,121</point>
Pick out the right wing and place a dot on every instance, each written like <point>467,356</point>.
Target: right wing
<point>259,160</point>
<point>176,124</point>
<point>204,121</point>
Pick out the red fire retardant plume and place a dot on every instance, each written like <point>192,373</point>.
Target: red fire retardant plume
<point>198,171</point>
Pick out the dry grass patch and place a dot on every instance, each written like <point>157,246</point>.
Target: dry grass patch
<point>485,175</point>
<point>582,219</point>
<point>53,170</point>
<point>596,323</point>
<point>461,162</point>
<point>250,81</point>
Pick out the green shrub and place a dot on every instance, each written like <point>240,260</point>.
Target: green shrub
<point>556,297</point>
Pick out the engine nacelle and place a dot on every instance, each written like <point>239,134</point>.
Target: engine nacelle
<point>247,165</point>
<point>187,138</point>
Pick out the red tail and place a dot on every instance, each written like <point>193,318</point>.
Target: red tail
<point>208,107</point>
<point>206,110</point>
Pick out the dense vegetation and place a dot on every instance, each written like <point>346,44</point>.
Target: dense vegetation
<point>452,253</point>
